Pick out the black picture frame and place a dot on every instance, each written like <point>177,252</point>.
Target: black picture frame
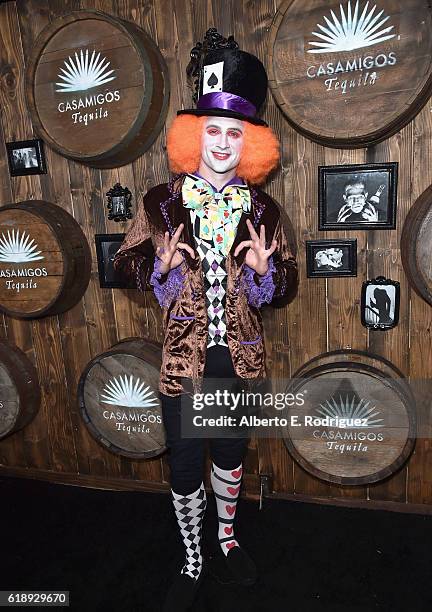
<point>337,183</point>
<point>373,314</point>
<point>119,203</point>
<point>107,246</point>
<point>341,262</point>
<point>26,157</point>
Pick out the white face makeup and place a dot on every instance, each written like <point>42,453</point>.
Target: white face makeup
<point>222,143</point>
<point>357,202</point>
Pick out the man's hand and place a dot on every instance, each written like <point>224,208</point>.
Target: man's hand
<point>257,255</point>
<point>344,213</point>
<point>370,213</point>
<point>169,254</point>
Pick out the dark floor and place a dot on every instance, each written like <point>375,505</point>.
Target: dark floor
<point>117,550</point>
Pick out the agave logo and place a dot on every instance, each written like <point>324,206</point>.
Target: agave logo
<point>16,249</point>
<point>350,412</point>
<point>351,30</point>
<point>122,391</point>
<point>84,73</point>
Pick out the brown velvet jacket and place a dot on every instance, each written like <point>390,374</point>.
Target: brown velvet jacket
<point>185,319</point>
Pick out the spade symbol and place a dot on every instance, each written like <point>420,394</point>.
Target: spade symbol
<point>213,80</point>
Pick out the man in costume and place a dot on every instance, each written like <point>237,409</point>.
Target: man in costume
<point>213,248</point>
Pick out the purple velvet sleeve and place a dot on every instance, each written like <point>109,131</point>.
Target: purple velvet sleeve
<point>169,290</point>
<point>257,294</point>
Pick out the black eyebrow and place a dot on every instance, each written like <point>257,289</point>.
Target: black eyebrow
<point>219,127</point>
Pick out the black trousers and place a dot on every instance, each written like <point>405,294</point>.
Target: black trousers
<point>186,455</point>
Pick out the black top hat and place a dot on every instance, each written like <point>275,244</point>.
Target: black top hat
<point>227,82</point>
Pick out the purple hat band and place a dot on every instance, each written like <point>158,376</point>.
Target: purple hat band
<point>227,101</point>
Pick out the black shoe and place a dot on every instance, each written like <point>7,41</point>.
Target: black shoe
<point>182,592</point>
<point>241,566</point>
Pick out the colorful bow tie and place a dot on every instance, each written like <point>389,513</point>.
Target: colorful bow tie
<point>218,213</point>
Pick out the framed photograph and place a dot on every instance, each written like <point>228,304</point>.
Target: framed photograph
<point>107,246</point>
<point>119,203</point>
<point>360,196</point>
<point>26,157</point>
<point>332,257</point>
<point>380,301</point>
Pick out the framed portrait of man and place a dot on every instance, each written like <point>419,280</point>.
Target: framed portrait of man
<point>360,196</point>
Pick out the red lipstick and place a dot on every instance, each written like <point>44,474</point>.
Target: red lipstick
<point>220,155</point>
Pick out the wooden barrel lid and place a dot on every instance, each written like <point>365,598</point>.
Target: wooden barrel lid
<point>349,73</point>
<point>45,260</point>
<point>19,389</point>
<point>336,358</point>
<point>97,88</point>
<point>416,245</point>
<point>119,399</point>
<point>338,387</point>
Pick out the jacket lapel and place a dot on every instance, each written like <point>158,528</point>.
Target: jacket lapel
<point>242,233</point>
<point>179,214</point>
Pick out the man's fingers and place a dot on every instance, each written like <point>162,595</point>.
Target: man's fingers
<point>166,241</point>
<point>262,236</point>
<point>252,231</point>
<point>272,249</point>
<point>343,215</point>
<point>176,235</point>
<point>186,247</point>
<point>242,245</point>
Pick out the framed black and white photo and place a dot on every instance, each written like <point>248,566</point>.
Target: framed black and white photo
<point>119,203</point>
<point>107,246</point>
<point>26,157</point>
<point>360,196</point>
<point>380,303</point>
<point>331,257</point>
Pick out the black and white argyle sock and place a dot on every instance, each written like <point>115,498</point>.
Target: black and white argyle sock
<point>189,510</point>
<point>226,486</point>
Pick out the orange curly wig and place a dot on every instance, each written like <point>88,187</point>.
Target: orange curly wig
<point>259,156</point>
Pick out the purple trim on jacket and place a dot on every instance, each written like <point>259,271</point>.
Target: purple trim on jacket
<point>170,289</point>
<point>258,294</point>
<point>138,279</point>
<point>258,339</point>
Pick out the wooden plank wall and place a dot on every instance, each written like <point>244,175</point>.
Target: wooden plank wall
<point>56,444</point>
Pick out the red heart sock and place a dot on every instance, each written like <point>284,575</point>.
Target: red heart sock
<point>226,486</point>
